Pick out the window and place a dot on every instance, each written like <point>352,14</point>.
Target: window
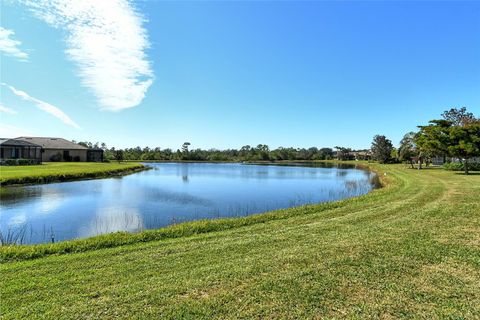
<point>15,153</point>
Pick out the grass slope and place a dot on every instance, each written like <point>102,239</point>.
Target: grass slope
<point>410,250</point>
<point>61,171</point>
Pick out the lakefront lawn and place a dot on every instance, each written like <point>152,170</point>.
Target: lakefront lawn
<point>408,250</point>
<point>62,171</point>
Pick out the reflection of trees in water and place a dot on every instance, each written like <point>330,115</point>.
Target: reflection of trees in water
<point>162,195</point>
<point>309,165</point>
<point>341,173</point>
<point>185,173</point>
<point>13,195</point>
<point>256,171</point>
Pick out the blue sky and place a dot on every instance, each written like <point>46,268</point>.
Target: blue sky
<point>226,74</point>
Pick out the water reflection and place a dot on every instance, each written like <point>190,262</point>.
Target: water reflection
<point>182,198</point>
<point>171,193</point>
<point>112,219</point>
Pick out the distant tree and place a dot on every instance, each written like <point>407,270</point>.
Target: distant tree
<point>119,155</point>
<point>325,154</point>
<point>185,153</point>
<point>408,148</point>
<point>312,153</point>
<point>85,144</point>
<point>381,149</point>
<point>262,152</point>
<point>394,154</point>
<point>185,147</point>
<point>343,153</point>
<point>433,140</point>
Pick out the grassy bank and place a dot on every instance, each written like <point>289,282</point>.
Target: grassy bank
<point>409,250</point>
<point>62,171</point>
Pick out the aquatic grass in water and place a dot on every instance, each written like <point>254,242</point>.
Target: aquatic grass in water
<point>13,235</point>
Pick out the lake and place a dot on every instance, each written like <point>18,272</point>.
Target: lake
<point>170,193</point>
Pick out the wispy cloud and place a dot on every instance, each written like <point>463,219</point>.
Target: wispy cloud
<point>44,106</point>
<point>10,46</point>
<point>107,42</point>
<point>6,110</point>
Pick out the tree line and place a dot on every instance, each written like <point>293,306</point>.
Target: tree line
<point>261,152</point>
<point>456,135</point>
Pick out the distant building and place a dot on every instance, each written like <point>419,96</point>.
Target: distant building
<point>50,149</point>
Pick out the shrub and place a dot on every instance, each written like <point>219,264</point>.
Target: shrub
<point>23,162</point>
<point>56,157</point>
<point>11,162</point>
<point>458,166</point>
<point>19,162</point>
<point>76,159</point>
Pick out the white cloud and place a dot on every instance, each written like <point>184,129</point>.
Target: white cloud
<point>10,46</point>
<point>107,42</point>
<point>44,106</point>
<point>7,110</point>
<point>8,131</point>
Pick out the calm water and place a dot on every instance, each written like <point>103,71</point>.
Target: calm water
<point>167,194</point>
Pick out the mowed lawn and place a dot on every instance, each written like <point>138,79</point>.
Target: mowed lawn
<point>410,250</point>
<point>58,169</point>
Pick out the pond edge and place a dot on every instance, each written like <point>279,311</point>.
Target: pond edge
<point>11,253</point>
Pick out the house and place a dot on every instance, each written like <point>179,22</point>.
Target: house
<point>14,149</point>
<point>58,149</point>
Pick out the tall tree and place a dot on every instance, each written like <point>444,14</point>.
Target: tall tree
<point>119,155</point>
<point>459,117</point>
<point>457,135</point>
<point>381,149</point>
<point>185,147</point>
<point>433,140</point>
<point>408,148</point>
<point>465,142</point>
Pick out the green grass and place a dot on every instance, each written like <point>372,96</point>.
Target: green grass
<point>62,171</point>
<point>409,250</point>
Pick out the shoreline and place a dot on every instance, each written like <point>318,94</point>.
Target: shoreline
<point>10,253</point>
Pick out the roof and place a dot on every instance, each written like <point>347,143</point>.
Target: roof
<point>17,143</point>
<point>52,143</point>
